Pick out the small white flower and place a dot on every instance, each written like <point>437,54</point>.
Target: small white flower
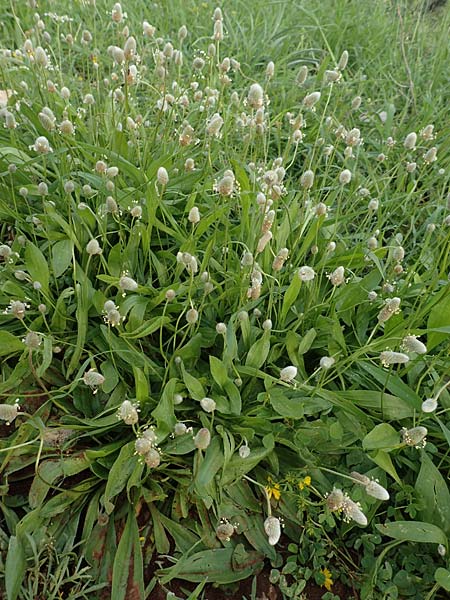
<point>8,412</point>
<point>306,273</point>
<point>388,358</point>
<point>255,96</point>
<point>337,277</point>
<point>311,99</point>
<point>153,458</point>
<point>410,343</point>
<point>272,527</point>
<point>127,283</point>
<point>128,413</point>
<point>288,374</point>
<point>162,176</point>
<point>415,437</point>
<point>429,405</point>
<point>41,145</point>
<point>326,362</point>
<point>142,445</point>
<point>208,405</point>
<point>345,177</point>
<point>376,490</point>
<point>194,215</point>
<point>244,451</point>
<point>202,439</point>
<point>93,378</point>
<point>352,510</point>
<point>93,247</point>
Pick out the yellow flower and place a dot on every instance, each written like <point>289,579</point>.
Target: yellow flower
<point>305,482</point>
<point>273,489</point>
<point>328,580</point>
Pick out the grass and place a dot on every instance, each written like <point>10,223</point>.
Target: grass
<point>209,334</point>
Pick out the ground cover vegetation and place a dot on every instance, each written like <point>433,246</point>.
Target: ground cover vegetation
<point>225,303</point>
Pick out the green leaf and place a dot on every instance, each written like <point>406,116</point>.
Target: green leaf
<point>128,572</point>
<point>218,371</point>
<point>9,343</point>
<point>195,388</point>
<point>15,567</point>
<point>433,490</point>
<point>209,466</point>
<point>442,577</point>
<point>383,460</point>
<point>62,253</point>
<point>394,384</point>
<point>119,474</point>
<point>382,436</point>
<point>147,328</point>
<point>47,356</point>
<point>214,565</point>
<point>164,413</point>
<point>291,408</point>
<point>237,467</point>
<point>290,296</point>
<point>413,531</point>
<point>141,385</point>
<point>37,266</point>
<point>259,351</point>
<point>439,317</point>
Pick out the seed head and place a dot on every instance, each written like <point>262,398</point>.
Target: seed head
<point>391,307</point>
<point>224,531</point>
<point>415,437</point>
<point>429,405</point>
<point>337,277</point>
<point>244,451</point>
<point>326,362</point>
<point>41,145</point>
<point>128,284</point>
<point>272,527</point>
<point>192,316</point>
<point>93,247</point>
<point>153,458</point>
<point>356,102</point>
<point>335,500</point>
<point>307,179</point>
<point>352,511</point>
<point>128,413</point>
<point>129,49</point>
<point>142,446</point>
<point>302,75</point>
<point>388,358</point>
<point>345,177</point>
<point>288,374</point>
<point>221,328</point>
<point>427,133</point>
<point>430,155</point>
<point>32,340</point>
<point>218,30</point>
<point>202,439</point>
<point>311,99</point>
<point>40,57</point>
<point>93,378</point>
<point>410,141</point>
<point>208,405</point>
<point>194,215</point>
<point>8,412</point>
<point>270,70</point>
<point>306,273</point>
<point>343,61</point>
<point>410,343</point>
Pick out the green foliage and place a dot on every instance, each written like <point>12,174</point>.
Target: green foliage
<point>192,325</point>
